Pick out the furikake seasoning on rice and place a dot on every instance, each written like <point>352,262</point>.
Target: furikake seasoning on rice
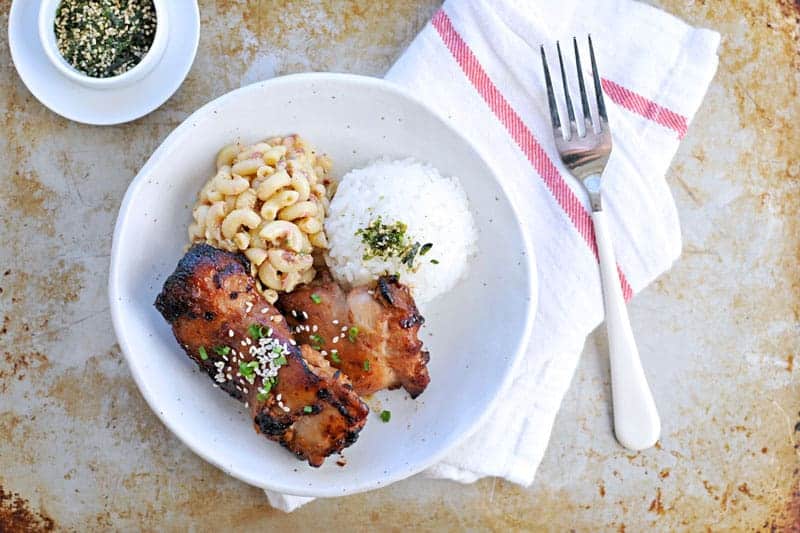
<point>104,38</point>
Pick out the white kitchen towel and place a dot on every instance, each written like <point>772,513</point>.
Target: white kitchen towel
<point>478,64</point>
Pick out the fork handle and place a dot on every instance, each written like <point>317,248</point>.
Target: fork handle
<point>636,422</point>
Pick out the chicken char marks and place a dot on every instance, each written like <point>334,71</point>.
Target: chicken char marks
<point>312,409</point>
<point>381,351</point>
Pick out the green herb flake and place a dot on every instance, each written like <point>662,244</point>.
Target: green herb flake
<point>265,388</point>
<point>281,360</point>
<point>435,261</point>
<point>410,255</point>
<point>254,331</point>
<point>222,350</point>
<point>203,353</point>
<point>317,342</point>
<point>386,416</point>
<point>383,240</point>
<point>335,356</point>
<point>387,241</point>
<point>352,334</point>
<point>316,298</point>
<point>257,331</point>
<point>308,409</point>
<point>246,370</point>
<point>366,365</point>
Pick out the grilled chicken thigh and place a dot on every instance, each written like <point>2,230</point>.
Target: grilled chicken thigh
<point>244,344</point>
<point>369,333</point>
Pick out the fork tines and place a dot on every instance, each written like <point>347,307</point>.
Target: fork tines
<point>598,91</point>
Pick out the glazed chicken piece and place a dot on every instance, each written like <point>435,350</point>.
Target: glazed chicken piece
<point>370,333</point>
<point>244,344</point>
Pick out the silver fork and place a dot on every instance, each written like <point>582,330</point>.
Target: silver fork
<point>636,422</point>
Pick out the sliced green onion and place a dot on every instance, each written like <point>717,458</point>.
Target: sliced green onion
<point>203,353</point>
<point>245,369</point>
<point>352,334</point>
<point>280,360</point>
<point>317,341</point>
<point>222,350</point>
<point>316,298</point>
<point>335,356</point>
<point>366,365</point>
<point>307,409</point>
<point>435,261</point>
<point>257,331</point>
<point>386,416</point>
<point>425,248</point>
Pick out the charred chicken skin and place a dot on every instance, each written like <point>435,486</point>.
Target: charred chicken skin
<point>244,344</point>
<point>370,333</point>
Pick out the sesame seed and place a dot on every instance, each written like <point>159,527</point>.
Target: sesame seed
<point>279,396</point>
<point>335,339</point>
<point>243,343</point>
<point>335,322</point>
<point>344,328</point>
<point>314,328</point>
<point>305,315</point>
<point>230,333</point>
<point>246,404</point>
<point>264,311</point>
<point>292,342</point>
<point>286,409</point>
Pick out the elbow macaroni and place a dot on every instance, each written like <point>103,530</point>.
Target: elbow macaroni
<point>268,201</point>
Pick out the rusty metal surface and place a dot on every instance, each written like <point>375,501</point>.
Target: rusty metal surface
<point>719,334</point>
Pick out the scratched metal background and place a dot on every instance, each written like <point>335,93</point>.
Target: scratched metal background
<point>80,450</point>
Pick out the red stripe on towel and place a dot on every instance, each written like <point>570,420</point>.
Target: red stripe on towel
<point>647,108</point>
<point>522,135</point>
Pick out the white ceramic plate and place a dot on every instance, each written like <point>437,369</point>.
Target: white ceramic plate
<point>76,102</point>
<point>475,334</point>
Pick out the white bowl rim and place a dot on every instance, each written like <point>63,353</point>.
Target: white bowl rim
<point>187,437</point>
<point>141,69</point>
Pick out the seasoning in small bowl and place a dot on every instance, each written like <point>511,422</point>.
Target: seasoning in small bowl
<point>103,43</point>
<point>104,38</point>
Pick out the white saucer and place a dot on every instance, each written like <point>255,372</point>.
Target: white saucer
<point>110,106</point>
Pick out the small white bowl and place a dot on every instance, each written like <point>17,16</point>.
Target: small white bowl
<point>47,36</point>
